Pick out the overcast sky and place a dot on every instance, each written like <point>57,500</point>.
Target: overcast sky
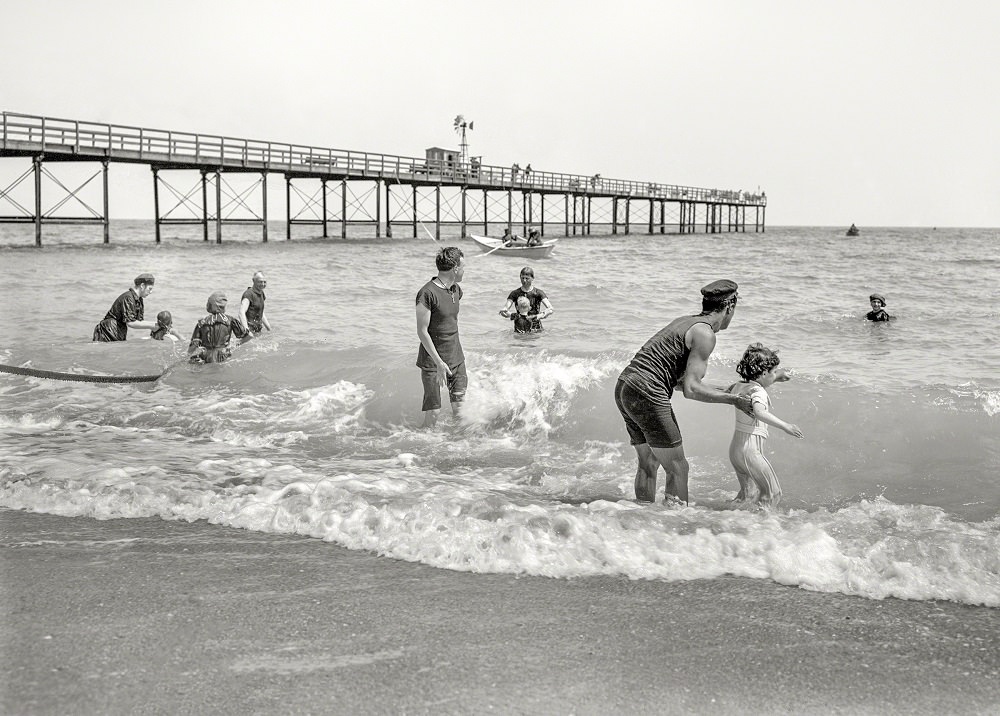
<point>877,113</point>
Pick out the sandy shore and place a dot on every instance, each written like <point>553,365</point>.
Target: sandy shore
<point>144,616</point>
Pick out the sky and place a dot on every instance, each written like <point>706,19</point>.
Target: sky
<point>876,113</point>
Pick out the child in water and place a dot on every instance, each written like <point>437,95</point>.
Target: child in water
<point>164,327</point>
<point>758,483</point>
<point>878,312</point>
<point>522,321</point>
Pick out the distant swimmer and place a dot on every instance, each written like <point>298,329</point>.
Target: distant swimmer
<point>126,312</point>
<point>878,312</point>
<point>440,356</point>
<point>210,340</point>
<point>252,306</point>
<point>164,327</point>
<point>677,354</point>
<point>541,307</point>
<point>758,482</point>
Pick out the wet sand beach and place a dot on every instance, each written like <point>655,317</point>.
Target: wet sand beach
<point>147,616</point>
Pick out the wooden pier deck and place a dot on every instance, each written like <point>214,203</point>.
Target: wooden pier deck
<point>49,139</point>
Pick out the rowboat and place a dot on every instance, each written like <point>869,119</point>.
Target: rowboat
<point>495,246</point>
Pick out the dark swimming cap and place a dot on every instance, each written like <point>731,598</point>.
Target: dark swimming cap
<point>146,278</point>
<point>719,291</point>
<point>877,297</point>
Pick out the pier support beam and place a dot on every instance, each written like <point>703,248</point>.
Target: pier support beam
<point>107,220</point>
<point>263,179</point>
<point>463,190</point>
<point>343,208</point>
<point>388,210</point>
<point>414,211</point>
<point>218,206</point>
<point>326,218</point>
<point>204,206</point>
<point>378,208</point>
<point>156,204</point>
<point>37,164</point>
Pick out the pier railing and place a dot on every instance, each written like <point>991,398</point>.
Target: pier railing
<point>32,133</point>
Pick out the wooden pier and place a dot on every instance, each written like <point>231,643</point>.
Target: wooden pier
<point>325,187</point>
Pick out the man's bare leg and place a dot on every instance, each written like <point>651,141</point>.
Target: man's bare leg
<point>645,474</point>
<point>675,464</point>
<point>430,418</point>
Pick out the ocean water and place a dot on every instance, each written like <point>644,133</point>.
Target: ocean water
<point>312,429</point>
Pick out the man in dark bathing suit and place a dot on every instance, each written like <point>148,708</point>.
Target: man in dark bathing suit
<point>678,354</point>
<point>126,312</point>
<point>252,306</point>
<point>440,357</point>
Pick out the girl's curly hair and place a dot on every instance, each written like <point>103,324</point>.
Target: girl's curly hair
<point>756,361</point>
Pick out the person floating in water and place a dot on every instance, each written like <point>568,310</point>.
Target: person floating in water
<point>210,340</point>
<point>126,312</point>
<point>878,312</point>
<point>758,483</point>
<point>164,327</point>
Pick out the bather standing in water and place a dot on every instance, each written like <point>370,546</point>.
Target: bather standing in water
<point>210,340</point>
<point>126,312</point>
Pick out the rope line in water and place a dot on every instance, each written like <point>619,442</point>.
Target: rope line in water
<point>80,377</point>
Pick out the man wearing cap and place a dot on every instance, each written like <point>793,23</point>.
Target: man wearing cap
<point>878,312</point>
<point>252,306</point>
<point>540,305</point>
<point>210,340</point>
<point>126,312</point>
<point>678,354</point>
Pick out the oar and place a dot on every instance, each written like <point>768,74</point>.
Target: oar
<point>428,232</point>
<point>500,246</point>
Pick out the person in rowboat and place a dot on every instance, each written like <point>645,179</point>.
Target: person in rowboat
<point>508,238</point>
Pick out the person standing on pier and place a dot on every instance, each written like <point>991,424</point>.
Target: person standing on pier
<point>126,312</point>
<point>252,306</point>
<point>440,357</point>
<point>678,354</point>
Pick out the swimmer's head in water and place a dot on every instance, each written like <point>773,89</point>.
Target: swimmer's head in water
<point>756,361</point>
<point>217,302</point>
<point>163,318</point>
<point>877,298</point>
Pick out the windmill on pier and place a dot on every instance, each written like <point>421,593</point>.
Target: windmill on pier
<point>460,126</point>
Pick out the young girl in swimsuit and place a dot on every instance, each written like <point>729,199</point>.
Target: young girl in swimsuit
<point>164,327</point>
<point>758,483</point>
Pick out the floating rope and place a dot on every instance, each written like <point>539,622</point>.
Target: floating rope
<point>79,377</point>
